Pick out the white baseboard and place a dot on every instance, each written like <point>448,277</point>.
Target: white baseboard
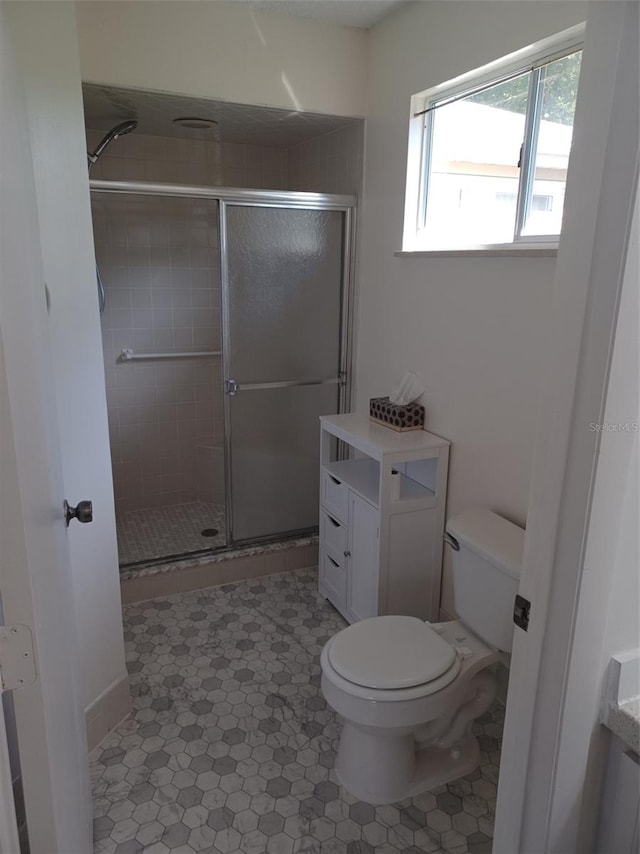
<point>107,711</point>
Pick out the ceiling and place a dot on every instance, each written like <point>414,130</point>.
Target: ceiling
<point>349,13</point>
<point>106,106</point>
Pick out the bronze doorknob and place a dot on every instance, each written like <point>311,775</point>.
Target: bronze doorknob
<point>83,512</point>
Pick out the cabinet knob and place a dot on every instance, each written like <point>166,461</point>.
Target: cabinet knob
<point>347,554</point>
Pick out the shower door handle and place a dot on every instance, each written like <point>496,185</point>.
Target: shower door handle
<point>231,387</point>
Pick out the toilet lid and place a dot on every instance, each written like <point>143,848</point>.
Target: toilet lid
<point>390,652</point>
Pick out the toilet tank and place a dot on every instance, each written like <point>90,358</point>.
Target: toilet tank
<point>486,573</point>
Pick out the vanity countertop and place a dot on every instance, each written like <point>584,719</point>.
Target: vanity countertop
<point>624,721</point>
<point>621,701</point>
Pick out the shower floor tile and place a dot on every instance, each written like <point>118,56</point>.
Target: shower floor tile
<point>164,531</point>
<point>231,746</point>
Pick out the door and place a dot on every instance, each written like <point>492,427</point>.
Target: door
<point>35,582</point>
<point>362,567</point>
<point>283,293</point>
<point>554,686</point>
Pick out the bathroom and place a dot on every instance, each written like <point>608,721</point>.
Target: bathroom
<point>473,328</point>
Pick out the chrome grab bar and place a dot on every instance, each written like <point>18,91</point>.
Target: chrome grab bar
<point>232,387</point>
<point>127,355</point>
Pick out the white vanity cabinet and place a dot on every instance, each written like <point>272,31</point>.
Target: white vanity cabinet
<point>382,505</point>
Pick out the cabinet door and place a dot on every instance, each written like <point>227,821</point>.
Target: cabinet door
<point>362,568</point>
<point>620,802</point>
<point>332,580</point>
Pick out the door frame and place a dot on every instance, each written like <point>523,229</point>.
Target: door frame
<point>533,814</point>
<point>290,201</point>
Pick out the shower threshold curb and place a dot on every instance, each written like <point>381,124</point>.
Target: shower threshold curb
<point>187,562</point>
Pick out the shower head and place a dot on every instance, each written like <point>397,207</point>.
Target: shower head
<point>119,130</point>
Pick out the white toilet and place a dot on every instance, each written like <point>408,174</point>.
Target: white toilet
<point>407,690</point>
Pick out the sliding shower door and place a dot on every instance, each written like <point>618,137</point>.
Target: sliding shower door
<point>284,273</point>
<point>159,263</point>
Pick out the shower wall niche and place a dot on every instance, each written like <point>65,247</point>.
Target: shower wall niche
<point>159,262</point>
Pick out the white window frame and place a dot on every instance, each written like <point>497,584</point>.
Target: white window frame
<point>421,135</point>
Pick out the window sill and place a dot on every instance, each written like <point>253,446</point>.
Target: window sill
<point>498,250</point>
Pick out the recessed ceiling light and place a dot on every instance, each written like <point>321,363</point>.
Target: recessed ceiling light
<point>195,123</point>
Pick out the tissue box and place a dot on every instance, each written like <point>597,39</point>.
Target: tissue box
<point>400,418</point>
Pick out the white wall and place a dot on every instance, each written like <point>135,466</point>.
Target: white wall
<point>224,50</point>
<point>45,37</point>
<point>473,328</point>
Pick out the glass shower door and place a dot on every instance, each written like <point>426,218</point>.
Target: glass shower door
<point>283,303</point>
<point>159,263</point>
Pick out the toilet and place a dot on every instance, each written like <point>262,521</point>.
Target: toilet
<point>408,691</point>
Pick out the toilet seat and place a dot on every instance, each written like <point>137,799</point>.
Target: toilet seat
<point>391,653</point>
<point>336,660</point>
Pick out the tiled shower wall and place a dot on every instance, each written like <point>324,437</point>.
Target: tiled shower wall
<point>331,163</point>
<point>139,157</point>
<point>159,263</point>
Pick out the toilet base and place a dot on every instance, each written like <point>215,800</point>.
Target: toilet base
<point>393,768</point>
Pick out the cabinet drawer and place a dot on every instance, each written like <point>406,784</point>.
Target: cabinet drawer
<point>333,535</point>
<point>335,496</point>
<point>333,580</point>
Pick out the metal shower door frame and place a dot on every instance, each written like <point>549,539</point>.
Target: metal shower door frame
<point>226,196</point>
<point>299,201</point>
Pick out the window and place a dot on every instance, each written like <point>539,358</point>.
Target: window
<point>489,152</point>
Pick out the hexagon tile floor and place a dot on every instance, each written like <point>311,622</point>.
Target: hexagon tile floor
<point>231,746</point>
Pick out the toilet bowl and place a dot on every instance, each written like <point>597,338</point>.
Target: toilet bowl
<point>408,691</point>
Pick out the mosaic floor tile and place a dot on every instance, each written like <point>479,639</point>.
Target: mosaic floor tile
<point>230,748</point>
<point>165,531</point>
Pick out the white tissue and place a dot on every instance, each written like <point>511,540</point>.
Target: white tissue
<point>409,389</point>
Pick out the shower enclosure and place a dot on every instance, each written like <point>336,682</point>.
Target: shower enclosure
<point>226,335</point>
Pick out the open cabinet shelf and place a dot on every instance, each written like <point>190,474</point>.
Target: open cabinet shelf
<point>363,477</point>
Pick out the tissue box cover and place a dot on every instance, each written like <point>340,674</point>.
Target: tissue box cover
<point>400,418</point>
